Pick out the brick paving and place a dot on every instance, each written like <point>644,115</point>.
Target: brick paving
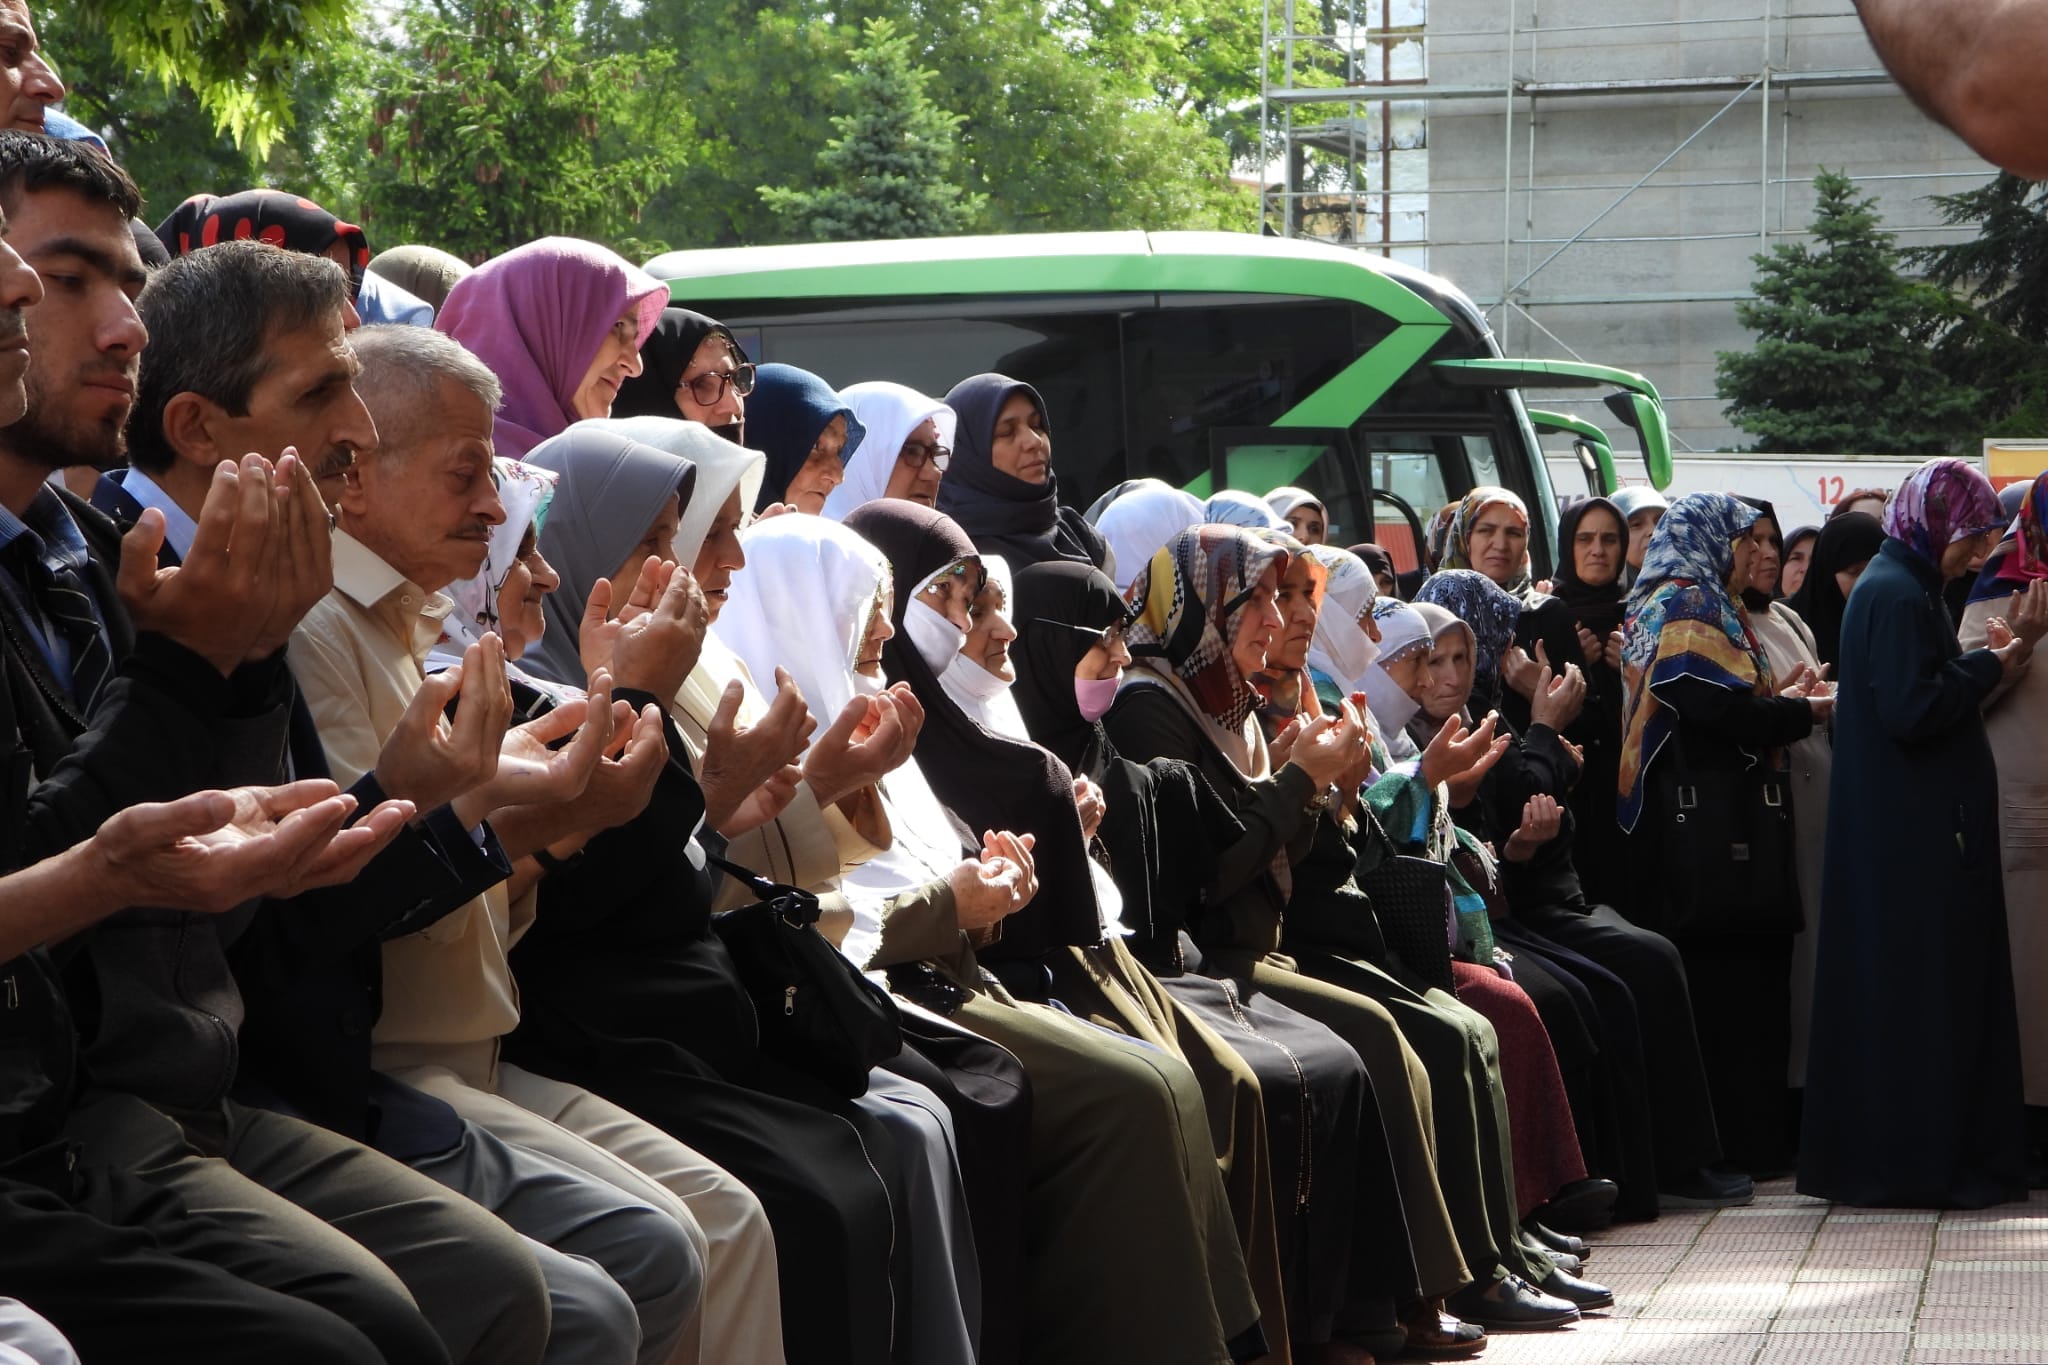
<point>1795,1281</point>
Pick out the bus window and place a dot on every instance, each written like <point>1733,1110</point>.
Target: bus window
<point>1480,463</point>
<point>1070,358</point>
<point>1318,459</point>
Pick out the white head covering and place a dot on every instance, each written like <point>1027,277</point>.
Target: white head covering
<point>1402,633</point>
<point>1147,514</point>
<point>1234,507</point>
<point>1341,649</point>
<point>721,467</point>
<point>526,492</point>
<point>890,412</point>
<point>1284,500</point>
<point>804,603</point>
<point>981,694</point>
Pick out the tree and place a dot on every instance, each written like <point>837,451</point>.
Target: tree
<point>241,58</point>
<point>889,173</point>
<point>1841,361</point>
<point>1998,340</point>
<point>492,122</point>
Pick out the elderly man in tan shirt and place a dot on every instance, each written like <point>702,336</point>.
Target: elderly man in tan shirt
<point>415,516</point>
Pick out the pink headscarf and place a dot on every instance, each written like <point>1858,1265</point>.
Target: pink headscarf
<point>536,315</point>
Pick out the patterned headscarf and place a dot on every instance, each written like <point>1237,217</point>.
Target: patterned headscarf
<point>1235,507</point>
<point>1457,553</point>
<point>1436,541</point>
<point>1484,605</point>
<point>1940,503</point>
<point>1184,604</point>
<point>2022,556</point>
<point>1682,622</point>
<point>283,220</point>
<point>526,491</point>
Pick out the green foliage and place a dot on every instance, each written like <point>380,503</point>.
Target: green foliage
<point>496,121</point>
<point>241,58</point>
<point>1999,342</point>
<point>1842,361</point>
<point>889,173</point>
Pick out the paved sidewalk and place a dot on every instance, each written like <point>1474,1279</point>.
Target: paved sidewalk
<point>1795,1281</point>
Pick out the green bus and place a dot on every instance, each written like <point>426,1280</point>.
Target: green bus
<point>1206,359</point>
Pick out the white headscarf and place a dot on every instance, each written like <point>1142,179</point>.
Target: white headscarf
<point>526,492</point>
<point>721,467</point>
<point>890,412</point>
<point>1341,650</point>
<point>1234,507</point>
<point>981,694</point>
<point>1147,514</point>
<point>1284,501</point>
<point>1402,633</point>
<point>804,603</point>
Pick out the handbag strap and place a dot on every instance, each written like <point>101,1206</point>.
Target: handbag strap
<point>768,891</point>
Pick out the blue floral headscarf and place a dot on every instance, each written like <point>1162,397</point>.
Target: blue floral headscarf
<point>1482,604</point>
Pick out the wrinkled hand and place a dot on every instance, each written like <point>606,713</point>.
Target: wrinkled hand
<point>653,649</point>
<point>430,761</point>
<point>738,759</point>
<point>1326,747</point>
<point>1522,673</point>
<point>1997,634</point>
<point>1557,700</point>
<point>995,885</point>
<point>1088,800</point>
<point>530,773</point>
<point>765,802</point>
<point>302,555</point>
<point>219,600</point>
<point>598,631</point>
<point>865,742</point>
<point>623,781</point>
<point>1460,758</point>
<point>211,851</point>
<point>2028,613</point>
<point>1541,820</point>
<point>1280,748</point>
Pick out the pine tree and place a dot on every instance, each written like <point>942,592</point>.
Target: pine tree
<point>1999,341</point>
<point>889,173</point>
<point>1842,362</point>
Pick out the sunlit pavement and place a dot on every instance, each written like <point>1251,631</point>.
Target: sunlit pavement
<point>1795,1281</point>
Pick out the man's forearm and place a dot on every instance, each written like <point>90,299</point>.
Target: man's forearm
<point>51,900</point>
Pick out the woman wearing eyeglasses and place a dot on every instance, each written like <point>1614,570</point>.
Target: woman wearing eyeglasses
<point>694,368</point>
<point>908,446</point>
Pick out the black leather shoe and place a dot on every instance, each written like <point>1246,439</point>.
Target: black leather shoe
<point>1512,1304</point>
<point>1440,1336</point>
<point>1707,1190</point>
<point>1563,1260</point>
<point>1553,1241</point>
<point>1583,1293</point>
<point>1582,1206</point>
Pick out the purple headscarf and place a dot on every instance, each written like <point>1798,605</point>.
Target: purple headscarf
<point>536,315</point>
<point>1940,503</point>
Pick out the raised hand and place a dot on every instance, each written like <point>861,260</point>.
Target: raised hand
<point>1521,672</point>
<point>1089,801</point>
<point>530,772</point>
<point>764,802</point>
<point>623,781</point>
<point>1613,651</point>
<point>864,743</point>
<point>302,554</point>
<point>218,600</point>
<point>1461,758</point>
<point>738,759</point>
<point>213,850</point>
<point>1000,882</point>
<point>429,761</point>
<point>1542,818</point>
<point>1558,699</point>
<point>1326,747</point>
<point>654,650</point>
<point>2028,613</point>
<point>1590,647</point>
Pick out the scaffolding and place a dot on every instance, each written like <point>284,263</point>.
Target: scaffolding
<point>1350,87</point>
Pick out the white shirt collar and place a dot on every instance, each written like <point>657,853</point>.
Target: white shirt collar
<point>361,574</point>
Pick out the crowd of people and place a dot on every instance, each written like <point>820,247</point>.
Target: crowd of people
<point>534,837</point>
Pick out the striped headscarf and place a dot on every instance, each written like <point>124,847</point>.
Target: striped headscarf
<point>1682,622</point>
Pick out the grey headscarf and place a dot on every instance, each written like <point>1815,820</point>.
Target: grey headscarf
<point>610,491</point>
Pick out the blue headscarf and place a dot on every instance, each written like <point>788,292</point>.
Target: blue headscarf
<point>1484,605</point>
<point>1683,622</point>
<point>785,413</point>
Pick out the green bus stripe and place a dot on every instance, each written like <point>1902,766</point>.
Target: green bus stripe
<point>1365,380</point>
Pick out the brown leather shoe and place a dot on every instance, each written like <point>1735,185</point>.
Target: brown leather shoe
<point>1435,1334</point>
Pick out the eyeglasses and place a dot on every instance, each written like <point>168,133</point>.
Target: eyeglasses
<point>708,387</point>
<point>916,453</point>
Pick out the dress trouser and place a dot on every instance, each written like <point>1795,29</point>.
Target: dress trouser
<point>126,1272</point>
<point>623,1277</point>
<point>941,1321</point>
<point>741,1318</point>
<point>1474,1144</point>
<point>427,1275</point>
<point>1131,1250</point>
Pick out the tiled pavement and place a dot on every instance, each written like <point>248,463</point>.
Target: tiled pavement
<point>1795,1281</point>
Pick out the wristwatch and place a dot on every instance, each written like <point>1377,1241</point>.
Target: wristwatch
<point>1323,799</point>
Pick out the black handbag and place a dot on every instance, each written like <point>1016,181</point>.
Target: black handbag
<point>818,1013</point>
<point>1725,851</point>
<point>1411,898</point>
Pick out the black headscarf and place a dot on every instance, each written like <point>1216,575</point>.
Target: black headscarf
<point>1793,540</point>
<point>1598,609</point>
<point>666,354</point>
<point>1377,557</point>
<point>1057,604</point>
<point>988,782</point>
<point>1852,538</point>
<point>1022,522</point>
<point>1751,598</point>
<point>272,216</point>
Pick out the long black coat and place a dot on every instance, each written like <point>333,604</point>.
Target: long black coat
<point>1913,1088</point>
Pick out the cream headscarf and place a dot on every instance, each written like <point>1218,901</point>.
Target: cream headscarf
<point>890,412</point>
